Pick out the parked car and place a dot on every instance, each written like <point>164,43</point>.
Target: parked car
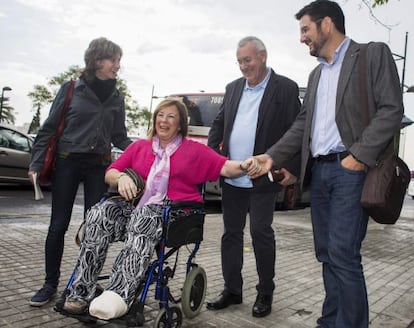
<point>116,152</point>
<point>410,191</point>
<point>15,152</point>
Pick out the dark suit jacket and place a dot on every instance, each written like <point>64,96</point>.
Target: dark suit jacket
<point>385,108</point>
<point>278,109</point>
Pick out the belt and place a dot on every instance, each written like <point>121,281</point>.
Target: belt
<point>332,157</point>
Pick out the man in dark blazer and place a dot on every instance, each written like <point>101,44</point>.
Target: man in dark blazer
<point>257,110</point>
<point>333,140</point>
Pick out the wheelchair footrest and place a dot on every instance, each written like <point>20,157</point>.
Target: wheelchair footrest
<point>83,317</point>
<point>135,316</point>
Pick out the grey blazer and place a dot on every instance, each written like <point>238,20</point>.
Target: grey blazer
<point>384,105</point>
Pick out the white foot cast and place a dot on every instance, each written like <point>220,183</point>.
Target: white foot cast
<point>108,305</point>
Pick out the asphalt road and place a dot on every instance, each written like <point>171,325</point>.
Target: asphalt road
<point>18,202</point>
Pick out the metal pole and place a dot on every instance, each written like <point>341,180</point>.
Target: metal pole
<point>152,96</point>
<point>1,104</point>
<point>404,58</point>
<point>403,69</point>
<point>401,137</point>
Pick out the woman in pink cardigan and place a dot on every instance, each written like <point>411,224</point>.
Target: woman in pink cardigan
<point>173,168</point>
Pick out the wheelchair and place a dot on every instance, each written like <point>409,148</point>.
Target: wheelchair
<point>182,226</point>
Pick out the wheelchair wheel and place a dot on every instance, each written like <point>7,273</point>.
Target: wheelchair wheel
<point>194,292</point>
<point>161,321</point>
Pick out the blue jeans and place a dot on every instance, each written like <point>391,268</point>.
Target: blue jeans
<point>339,227</point>
<point>69,172</point>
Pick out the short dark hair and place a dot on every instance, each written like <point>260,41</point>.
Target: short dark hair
<point>320,9</point>
<point>98,49</point>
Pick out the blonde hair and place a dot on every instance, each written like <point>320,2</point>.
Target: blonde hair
<point>182,111</point>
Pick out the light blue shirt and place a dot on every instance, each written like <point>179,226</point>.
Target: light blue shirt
<point>243,135</point>
<point>325,137</point>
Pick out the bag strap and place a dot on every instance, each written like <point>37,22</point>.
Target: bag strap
<point>66,103</point>
<point>363,88</point>
<point>363,83</point>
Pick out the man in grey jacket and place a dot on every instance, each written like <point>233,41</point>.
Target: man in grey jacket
<point>337,147</point>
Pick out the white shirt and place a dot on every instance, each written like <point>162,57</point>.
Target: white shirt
<point>325,138</point>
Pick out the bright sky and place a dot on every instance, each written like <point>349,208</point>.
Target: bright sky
<point>178,46</point>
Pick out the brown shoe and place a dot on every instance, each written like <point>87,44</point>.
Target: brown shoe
<point>75,306</point>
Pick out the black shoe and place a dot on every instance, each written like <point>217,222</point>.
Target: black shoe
<point>43,296</point>
<point>224,300</point>
<point>263,305</point>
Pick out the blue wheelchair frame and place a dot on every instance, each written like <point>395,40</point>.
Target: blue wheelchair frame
<point>171,315</point>
<point>182,225</point>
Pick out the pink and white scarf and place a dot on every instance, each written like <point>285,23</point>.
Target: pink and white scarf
<point>157,182</point>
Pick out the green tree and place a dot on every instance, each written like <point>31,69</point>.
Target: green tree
<point>43,95</point>
<point>35,124</point>
<point>374,3</point>
<point>140,118</point>
<point>7,112</point>
<point>55,82</point>
<point>136,117</point>
<point>379,3</point>
<point>40,96</point>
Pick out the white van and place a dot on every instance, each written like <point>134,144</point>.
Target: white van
<point>202,110</point>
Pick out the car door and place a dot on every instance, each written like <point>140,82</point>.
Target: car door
<point>15,149</point>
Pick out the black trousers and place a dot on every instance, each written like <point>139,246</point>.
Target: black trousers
<point>69,172</point>
<point>236,203</point>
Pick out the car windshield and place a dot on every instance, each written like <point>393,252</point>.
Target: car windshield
<point>14,140</point>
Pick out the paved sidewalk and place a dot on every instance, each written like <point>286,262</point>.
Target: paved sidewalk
<point>388,254</point>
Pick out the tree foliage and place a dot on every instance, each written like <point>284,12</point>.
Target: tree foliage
<point>7,111</point>
<point>35,124</point>
<point>136,118</point>
<point>139,119</point>
<point>42,96</point>
<point>379,3</point>
<point>73,72</point>
<point>375,3</point>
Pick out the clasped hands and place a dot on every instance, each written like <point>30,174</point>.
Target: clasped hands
<point>256,166</point>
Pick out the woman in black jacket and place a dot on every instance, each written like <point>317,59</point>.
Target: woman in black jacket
<point>94,120</point>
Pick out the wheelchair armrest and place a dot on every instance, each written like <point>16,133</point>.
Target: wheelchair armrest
<point>184,204</point>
